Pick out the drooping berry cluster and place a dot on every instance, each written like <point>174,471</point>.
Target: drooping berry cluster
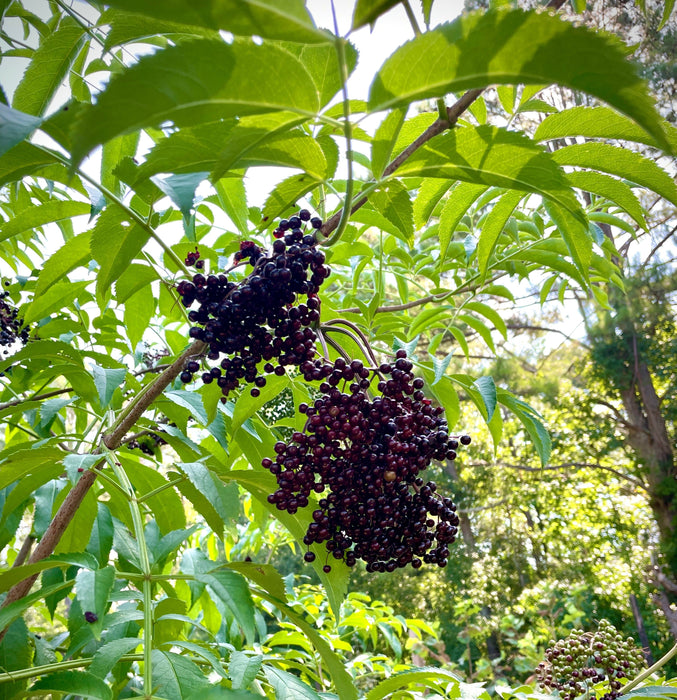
<point>11,326</point>
<point>257,319</point>
<point>574,664</point>
<point>364,456</point>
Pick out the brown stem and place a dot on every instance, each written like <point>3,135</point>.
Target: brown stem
<point>77,494</point>
<point>24,551</point>
<point>437,127</point>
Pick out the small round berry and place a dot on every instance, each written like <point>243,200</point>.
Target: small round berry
<point>326,568</point>
<point>186,377</point>
<point>316,222</point>
<point>309,556</point>
<point>466,439</point>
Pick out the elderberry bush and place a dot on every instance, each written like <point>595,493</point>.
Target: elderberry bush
<point>574,664</point>
<point>256,324</point>
<point>363,456</point>
<point>11,326</point>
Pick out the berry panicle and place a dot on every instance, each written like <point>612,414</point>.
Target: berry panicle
<point>584,659</point>
<point>364,457</point>
<point>256,326</point>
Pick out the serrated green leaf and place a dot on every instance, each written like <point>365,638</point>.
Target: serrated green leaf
<point>72,254</point>
<point>392,200</point>
<point>288,686</point>
<point>407,679</point>
<point>139,310</point>
<point>597,123</point>
<point>512,47</point>
<point>106,382</point>
<point>288,149</point>
<point>610,188</point>
<point>385,139</point>
<point>49,409</point>
<point>367,11</point>
<point>134,278</point>
<point>35,216</point>
<point>48,67</point>
<point>176,676</point>
<point>179,84</point>
<point>101,539</point>
<point>321,61</point>
<point>232,590</point>
<point>487,389</point>
<point>166,505</point>
<point>190,400</point>
<point>273,19</point>
<point>115,242</point>
<point>243,669</point>
<point>207,484</point>
<point>285,194</point>
<point>107,655</point>
<point>429,196</point>
<point>653,691</point>
<point>57,297</point>
<point>575,235</point>
<point>487,155</point>
<point>493,227</point>
<point>92,589</point>
<point>490,314</point>
<point>15,653</point>
<point>112,154</point>
<point>215,145</point>
<point>16,609</point>
<point>247,405</point>
<point>621,162</point>
<point>181,189</point>
<point>24,159</point>
<point>15,126</point>
<point>459,201</point>
<point>532,423</point>
<point>79,683</point>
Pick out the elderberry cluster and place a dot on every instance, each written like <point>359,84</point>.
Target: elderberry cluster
<point>586,658</point>
<point>11,327</point>
<point>257,319</point>
<point>364,456</point>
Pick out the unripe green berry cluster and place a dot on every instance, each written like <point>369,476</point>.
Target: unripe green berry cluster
<point>575,664</point>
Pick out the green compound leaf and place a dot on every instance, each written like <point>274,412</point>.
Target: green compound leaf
<point>621,162</point>
<point>512,47</point>
<point>611,189</point>
<point>48,67</point>
<point>273,19</point>
<point>47,213</point>
<point>80,683</point>
<point>176,676</point>
<point>487,155</point>
<point>180,84</point>
<point>597,123</point>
